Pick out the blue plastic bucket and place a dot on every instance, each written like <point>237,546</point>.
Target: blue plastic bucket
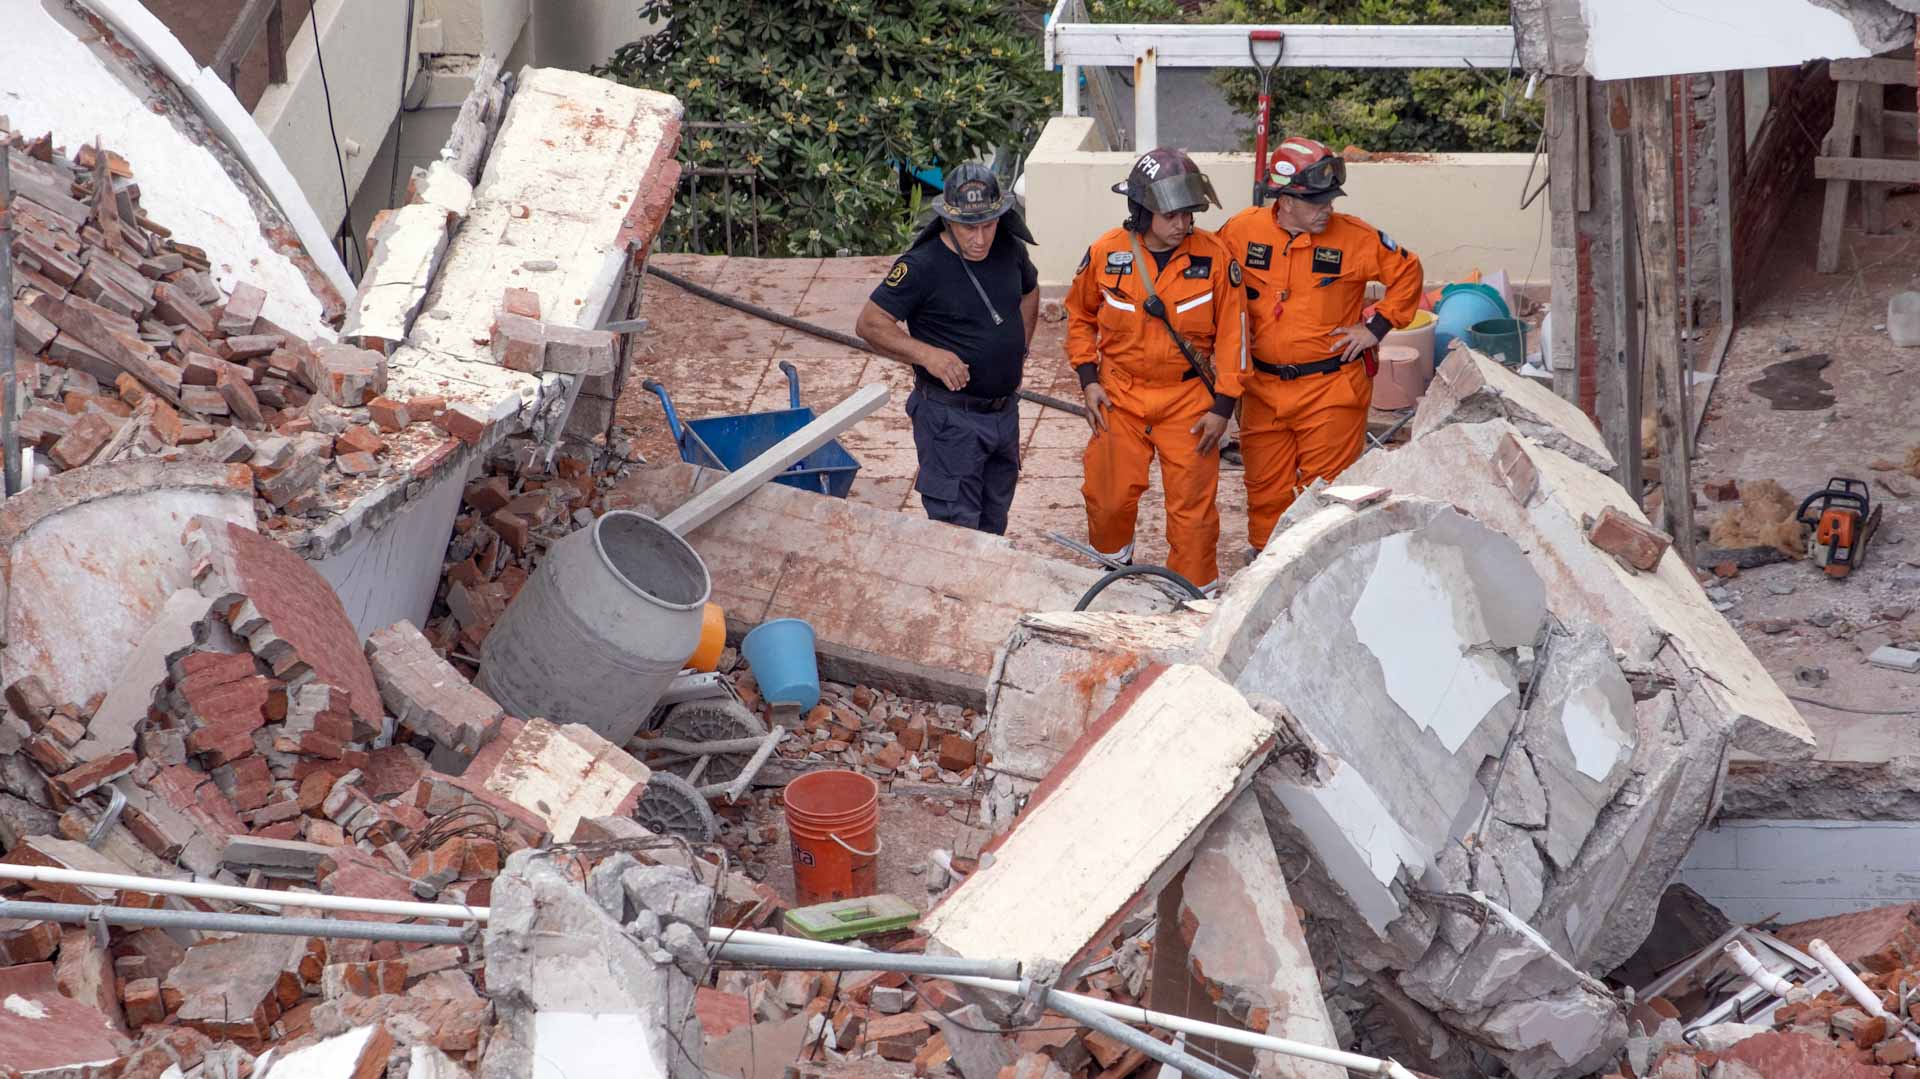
<point>1503,339</point>
<point>781,655</point>
<point>1459,308</point>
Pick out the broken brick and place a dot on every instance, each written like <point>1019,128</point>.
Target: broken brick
<point>77,783</point>
<point>519,343</point>
<point>388,414</point>
<point>242,310</point>
<point>522,302</point>
<point>1639,545</point>
<point>82,441</point>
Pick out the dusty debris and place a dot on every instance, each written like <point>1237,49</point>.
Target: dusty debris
<point>1764,518</point>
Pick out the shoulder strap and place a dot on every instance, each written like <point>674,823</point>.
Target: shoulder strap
<point>1158,310</point>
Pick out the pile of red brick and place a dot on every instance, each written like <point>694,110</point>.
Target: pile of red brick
<point>1828,1035</point>
<point>892,1021</point>
<point>129,348</point>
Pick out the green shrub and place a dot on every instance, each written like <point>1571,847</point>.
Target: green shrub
<point>832,99</point>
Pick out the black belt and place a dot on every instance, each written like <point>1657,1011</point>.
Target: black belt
<point>965,401</point>
<point>1291,371</point>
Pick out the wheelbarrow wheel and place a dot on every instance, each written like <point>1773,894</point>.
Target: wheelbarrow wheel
<point>671,806</point>
<point>712,720</point>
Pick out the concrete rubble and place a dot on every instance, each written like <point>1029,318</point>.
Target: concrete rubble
<point>1482,835</point>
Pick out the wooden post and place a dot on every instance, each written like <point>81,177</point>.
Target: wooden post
<point>1873,145</point>
<point>1623,284</point>
<point>9,432</point>
<point>1833,218</point>
<point>1652,106</point>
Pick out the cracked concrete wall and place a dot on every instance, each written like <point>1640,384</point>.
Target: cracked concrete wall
<point>390,573</point>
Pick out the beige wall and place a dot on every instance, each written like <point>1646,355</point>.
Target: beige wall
<point>1458,212</point>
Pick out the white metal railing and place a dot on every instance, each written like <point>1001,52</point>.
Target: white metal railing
<point>1073,42</point>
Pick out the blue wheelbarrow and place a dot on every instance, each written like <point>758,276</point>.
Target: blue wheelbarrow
<point>729,442</point>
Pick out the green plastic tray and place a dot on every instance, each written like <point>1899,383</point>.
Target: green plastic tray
<point>844,919</point>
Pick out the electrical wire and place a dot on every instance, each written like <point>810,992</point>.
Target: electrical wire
<point>1100,585</point>
<point>339,159</point>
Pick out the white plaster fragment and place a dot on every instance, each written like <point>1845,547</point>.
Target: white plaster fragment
<point>24,1008</point>
<point>1597,741</point>
<point>1425,630</point>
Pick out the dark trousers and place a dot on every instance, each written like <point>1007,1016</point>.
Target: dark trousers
<point>969,461</point>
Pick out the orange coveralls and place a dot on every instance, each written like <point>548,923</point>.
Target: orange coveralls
<point>1156,398</point>
<point>1301,290</point>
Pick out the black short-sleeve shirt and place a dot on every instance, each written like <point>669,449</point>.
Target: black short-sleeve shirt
<point>927,288</point>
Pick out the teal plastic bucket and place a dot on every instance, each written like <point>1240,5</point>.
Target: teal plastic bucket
<point>781,655</point>
<point>1504,339</point>
<point>1459,308</point>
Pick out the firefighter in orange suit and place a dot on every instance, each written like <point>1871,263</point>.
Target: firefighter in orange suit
<point>1307,269</point>
<point>1156,332</point>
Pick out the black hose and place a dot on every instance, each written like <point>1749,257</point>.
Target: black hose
<point>1100,585</point>
<point>822,332</point>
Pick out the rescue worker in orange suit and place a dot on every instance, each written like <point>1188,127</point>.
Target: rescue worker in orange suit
<point>1156,331</point>
<point>1304,416</point>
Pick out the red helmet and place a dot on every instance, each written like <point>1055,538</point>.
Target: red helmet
<point>1305,169</point>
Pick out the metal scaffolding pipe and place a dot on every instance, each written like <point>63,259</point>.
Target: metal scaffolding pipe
<point>1075,1009</point>
<point>336,928</point>
<point>200,889</point>
<point>937,966</point>
<point>1126,1013</point>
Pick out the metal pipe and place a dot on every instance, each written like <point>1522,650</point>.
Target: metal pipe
<point>1848,980</point>
<point>199,889</point>
<point>738,786</point>
<point>336,928</point>
<point>938,966</point>
<point>1757,974</point>
<point>1171,1056</point>
<point>701,749</point>
<point>1231,1035</point>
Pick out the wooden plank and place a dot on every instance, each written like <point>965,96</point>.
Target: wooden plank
<point>1652,105</point>
<point>1840,170</point>
<point>1884,72</point>
<point>1873,146</point>
<point>1833,217</point>
<point>767,467</point>
<point>1625,387</point>
<point>240,38</point>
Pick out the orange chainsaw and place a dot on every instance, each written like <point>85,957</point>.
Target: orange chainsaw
<point>1843,519</point>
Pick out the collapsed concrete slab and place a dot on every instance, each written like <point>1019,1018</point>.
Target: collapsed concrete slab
<point>1087,842</point>
<point>1644,615</point>
<point>90,558</point>
<point>1497,741</point>
<point>928,609</point>
<point>1470,388</point>
<point>559,774</point>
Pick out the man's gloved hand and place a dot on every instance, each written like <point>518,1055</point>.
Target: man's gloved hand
<point>1211,428</point>
<point>1097,404</point>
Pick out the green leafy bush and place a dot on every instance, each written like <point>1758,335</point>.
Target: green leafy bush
<point>828,101</point>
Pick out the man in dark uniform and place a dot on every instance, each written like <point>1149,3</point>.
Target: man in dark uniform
<point>970,297</point>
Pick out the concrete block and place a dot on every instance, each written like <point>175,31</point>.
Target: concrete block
<point>574,351</point>
<point>1896,659</point>
<point>1470,388</point>
<point>909,621</point>
<point>562,774</point>
<point>360,1053</point>
<point>1096,872</point>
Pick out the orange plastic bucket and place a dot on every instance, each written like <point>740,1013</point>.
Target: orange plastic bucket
<point>713,639</point>
<point>833,820</point>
